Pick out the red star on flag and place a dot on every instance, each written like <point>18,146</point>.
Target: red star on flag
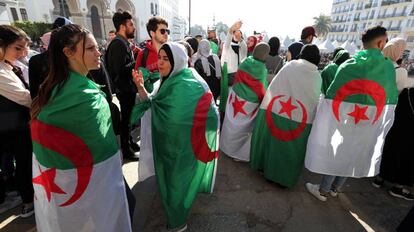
<point>359,113</point>
<point>46,179</point>
<point>238,106</point>
<point>287,107</point>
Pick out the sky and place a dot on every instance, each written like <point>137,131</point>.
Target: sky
<point>277,17</point>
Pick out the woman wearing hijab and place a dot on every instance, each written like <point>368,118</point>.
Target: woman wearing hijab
<point>208,66</point>
<point>294,51</point>
<point>251,43</point>
<point>328,73</point>
<point>185,126</point>
<point>397,159</point>
<point>234,50</point>
<point>273,62</point>
<point>285,118</point>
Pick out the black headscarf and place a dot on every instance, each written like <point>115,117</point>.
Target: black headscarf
<point>168,51</point>
<point>274,44</point>
<point>310,52</point>
<point>294,49</point>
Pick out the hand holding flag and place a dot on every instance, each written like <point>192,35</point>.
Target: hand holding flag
<point>138,79</point>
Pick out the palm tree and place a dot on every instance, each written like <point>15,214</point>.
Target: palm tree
<point>322,25</point>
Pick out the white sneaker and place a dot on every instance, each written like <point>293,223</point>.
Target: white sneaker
<point>333,193</point>
<point>314,190</point>
<point>179,229</point>
<point>10,203</point>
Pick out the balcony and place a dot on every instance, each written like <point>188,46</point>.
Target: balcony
<point>394,29</point>
<point>402,14</point>
<point>391,2</point>
<point>356,19</point>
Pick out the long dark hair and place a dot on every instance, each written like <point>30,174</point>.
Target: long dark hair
<point>65,37</point>
<point>8,35</point>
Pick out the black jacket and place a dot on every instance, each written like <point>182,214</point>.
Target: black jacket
<point>38,71</point>
<point>119,62</point>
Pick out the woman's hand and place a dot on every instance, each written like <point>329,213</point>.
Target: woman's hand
<point>236,26</point>
<point>138,79</point>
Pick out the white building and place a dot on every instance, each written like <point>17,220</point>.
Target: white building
<point>23,10</point>
<point>96,15</point>
<point>351,17</point>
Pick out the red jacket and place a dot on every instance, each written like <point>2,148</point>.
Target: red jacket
<point>152,59</point>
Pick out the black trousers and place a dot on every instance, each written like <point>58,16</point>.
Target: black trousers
<point>19,144</point>
<point>131,200</point>
<point>127,102</point>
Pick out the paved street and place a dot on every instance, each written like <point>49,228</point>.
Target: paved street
<point>244,201</point>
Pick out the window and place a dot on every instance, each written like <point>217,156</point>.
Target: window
<point>156,9</point>
<point>408,23</point>
<point>14,14</point>
<point>410,39</point>
<point>23,13</point>
<point>152,8</point>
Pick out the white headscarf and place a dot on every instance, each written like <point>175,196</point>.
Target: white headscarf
<point>180,57</point>
<point>203,52</point>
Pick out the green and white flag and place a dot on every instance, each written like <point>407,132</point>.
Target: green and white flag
<point>284,121</point>
<point>242,104</point>
<point>354,118</point>
<point>185,125</point>
<point>77,175</point>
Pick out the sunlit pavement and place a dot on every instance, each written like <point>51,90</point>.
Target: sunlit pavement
<point>244,201</point>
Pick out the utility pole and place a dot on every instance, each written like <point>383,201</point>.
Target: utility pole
<point>189,17</point>
<point>103,20</point>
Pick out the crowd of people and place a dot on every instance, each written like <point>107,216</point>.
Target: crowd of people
<point>337,115</point>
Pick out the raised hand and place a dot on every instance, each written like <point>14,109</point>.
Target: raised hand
<point>138,79</point>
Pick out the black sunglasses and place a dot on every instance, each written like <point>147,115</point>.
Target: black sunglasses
<point>164,30</point>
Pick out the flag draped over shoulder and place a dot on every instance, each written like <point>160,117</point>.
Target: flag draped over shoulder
<point>185,126</point>
<point>284,121</point>
<point>77,175</point>
<point>354,117</point>
<point>242,104</point>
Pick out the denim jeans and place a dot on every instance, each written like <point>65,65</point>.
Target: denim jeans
<point>332,182</point>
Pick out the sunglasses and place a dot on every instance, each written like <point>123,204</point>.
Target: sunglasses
<point>164,30</point>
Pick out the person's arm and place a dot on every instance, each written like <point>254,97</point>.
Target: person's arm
<point>13,90</point>
<point>139,83</point>
<point>35,71</point>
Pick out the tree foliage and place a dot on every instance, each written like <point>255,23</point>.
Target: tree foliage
<point>33,29</point>
<point>322,25</point>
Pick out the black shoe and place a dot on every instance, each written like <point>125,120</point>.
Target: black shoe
<point>401,193</point>
<point>135,147</point>
<point>130,155</point>
<point>378,182</point>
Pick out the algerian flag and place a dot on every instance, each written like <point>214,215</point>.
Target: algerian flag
<point>185,126</point>
<point>243,102</point>
<point>224,88</point>
<point>214,47</point>
<point>146,157</point>
<point>354,118</point>
<point>77,175</point>
<point>284,121</point>
<point>149,78</point>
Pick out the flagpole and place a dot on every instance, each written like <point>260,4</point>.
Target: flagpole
<point>189,17</point>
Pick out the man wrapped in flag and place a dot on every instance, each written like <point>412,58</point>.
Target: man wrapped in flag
<point>243,102</point>
<point>353,119</point>
<point>185,126</point>
<point>285,118</point>
<point>77,174</point>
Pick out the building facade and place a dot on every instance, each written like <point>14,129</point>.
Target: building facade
<point>351,17</point>
<point>23,10</point>
<point>96,15</point>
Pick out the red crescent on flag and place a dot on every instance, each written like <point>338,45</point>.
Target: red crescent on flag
<point>71,147</point>
<point>368,87</point>
<point>282,134</point>
<point>255,85</point>
<point>198,132</point>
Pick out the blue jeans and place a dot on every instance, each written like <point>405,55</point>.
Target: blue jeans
<point>332,182</point>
